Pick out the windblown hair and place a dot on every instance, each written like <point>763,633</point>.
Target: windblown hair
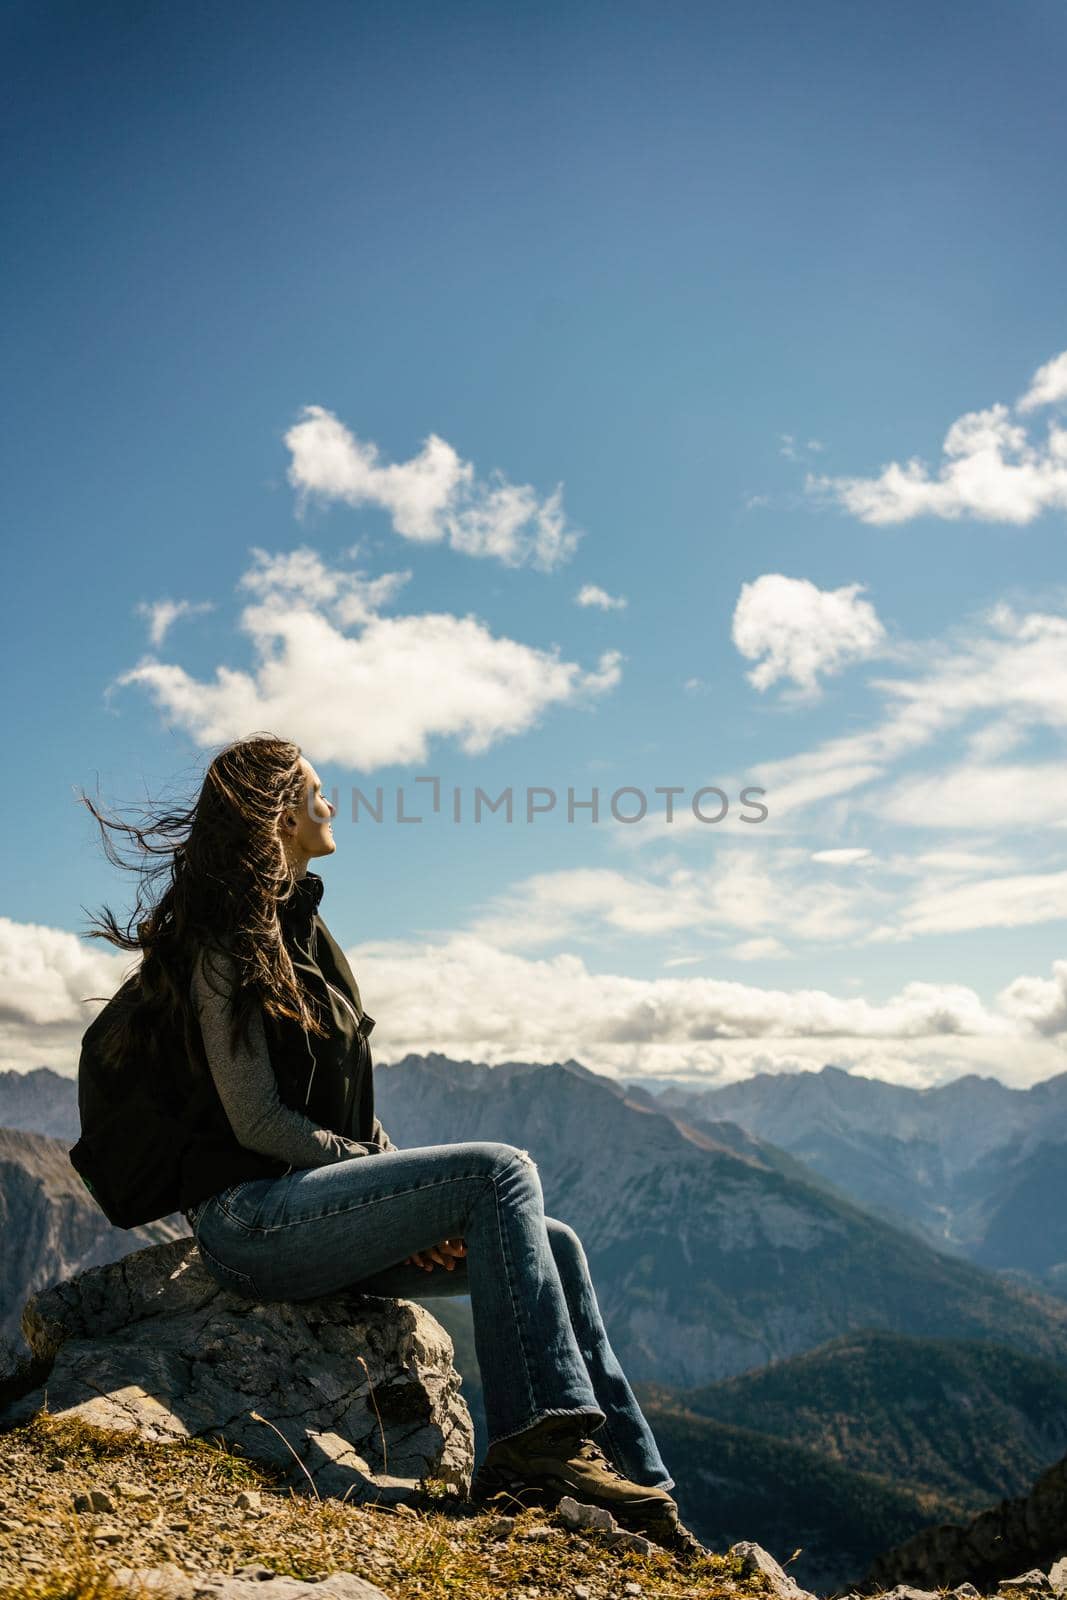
<point>213,876</point>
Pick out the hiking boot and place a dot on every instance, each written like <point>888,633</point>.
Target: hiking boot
<point>673,1535</point>
<point>540,1465</point>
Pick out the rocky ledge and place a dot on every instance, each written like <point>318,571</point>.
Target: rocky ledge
<point>1018,1544</point>
<point>352,1394</point>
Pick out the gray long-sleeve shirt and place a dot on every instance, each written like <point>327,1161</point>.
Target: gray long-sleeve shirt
<point>247,1085</point>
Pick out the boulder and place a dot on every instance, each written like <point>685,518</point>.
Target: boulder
<point>755,1560</point>
<point>1013,1537</point>
<point>355,1392</point>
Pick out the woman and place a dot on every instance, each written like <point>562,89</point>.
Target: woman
<point>293,1188</point>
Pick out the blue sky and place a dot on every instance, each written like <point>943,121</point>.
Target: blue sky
<point>371,338</point>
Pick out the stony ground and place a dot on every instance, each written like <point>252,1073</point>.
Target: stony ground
<point>78,1502</point>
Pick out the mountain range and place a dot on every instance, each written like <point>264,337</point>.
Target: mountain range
<point>817,1375</point>
<point>51,1227</point>
<point>850,1449</point>
<point>712,1251</point>
<point>710,1257</point>
<point>974,1167</point>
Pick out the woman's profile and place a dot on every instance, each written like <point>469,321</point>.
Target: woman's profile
<point>291,1185</point>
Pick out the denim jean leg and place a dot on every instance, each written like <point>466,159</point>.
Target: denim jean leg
<point>530,1361</point>
<point>351,1224</point>
<point>626,1437</point>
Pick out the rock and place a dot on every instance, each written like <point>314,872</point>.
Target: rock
<point>52,1225</point>
<point>153,1344</point>
<point>755,1559</point>
<point>100,1500</point>
<point>165,1581</point>
<point>1057,1576</point>
<point>134,1491</point>
<point>169,1582</point>
<point>575,1514</point>
<point>1032,1582</point>
<point>248,1500</point>
<point>1013,1536</point>
<point>578,1514</point>
<point>620,1539</point>
<point>114,1535</point>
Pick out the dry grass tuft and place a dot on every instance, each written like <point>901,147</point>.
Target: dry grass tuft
<point>438,1549</point>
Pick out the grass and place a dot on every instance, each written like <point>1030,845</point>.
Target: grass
<point>437,1549</point>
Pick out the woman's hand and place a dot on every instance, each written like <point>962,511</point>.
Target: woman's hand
<point>443,1253</point>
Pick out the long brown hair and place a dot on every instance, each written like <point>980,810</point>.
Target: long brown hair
<point>226,876</point>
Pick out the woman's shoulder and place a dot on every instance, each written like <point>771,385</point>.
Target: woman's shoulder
<point>212,966</point>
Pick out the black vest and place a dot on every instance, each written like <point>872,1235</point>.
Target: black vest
<point>330,1080</point>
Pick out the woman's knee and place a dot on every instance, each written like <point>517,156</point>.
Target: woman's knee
<point>497,1157</point>
<point>566,1245</point>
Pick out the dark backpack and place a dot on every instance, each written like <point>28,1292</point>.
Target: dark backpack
<point>132,1113</point>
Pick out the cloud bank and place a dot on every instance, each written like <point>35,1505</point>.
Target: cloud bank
<point>467,998</point>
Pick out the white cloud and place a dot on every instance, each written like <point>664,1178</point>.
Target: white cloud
<point>301,577</point>
<point>975,795</point>
<point>434,496</point>
<point>801,631</point>
<point>375,696</point>
<point>795,451</point>
<point>991,469</point>
<point>590,594</point>
<point>1016,668</point>
<point>1039,1003</point>
<point>770,893</point>
<point>469,998</point>
<point>956,861</point>
<point>762,892</point>
<point>1021,900</point>
<point>46,974</point>
<point>1047,386</point>
<point>160,614</point>
<point>995,738</point>
<point>757,949</point>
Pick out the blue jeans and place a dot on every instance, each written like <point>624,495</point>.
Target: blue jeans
<point>540,1340</point>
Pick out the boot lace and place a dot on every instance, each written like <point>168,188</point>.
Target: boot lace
<point>589,1451</point>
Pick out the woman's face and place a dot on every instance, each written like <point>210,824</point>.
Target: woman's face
<point>307,833</point>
